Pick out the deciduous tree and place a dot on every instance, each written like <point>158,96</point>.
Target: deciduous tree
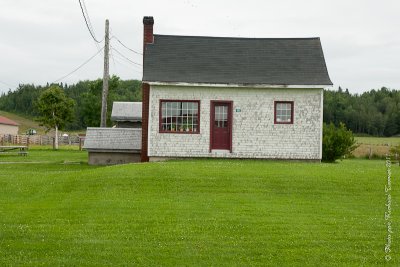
<point>56,109</point>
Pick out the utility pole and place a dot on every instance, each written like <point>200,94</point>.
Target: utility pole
<point>106,76</point>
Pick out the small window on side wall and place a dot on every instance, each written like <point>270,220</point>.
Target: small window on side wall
<point>283,112</point>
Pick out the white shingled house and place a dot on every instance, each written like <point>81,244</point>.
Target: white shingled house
<point>232,97</point>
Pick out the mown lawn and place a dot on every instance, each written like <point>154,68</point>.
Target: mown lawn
<point>198,212</point>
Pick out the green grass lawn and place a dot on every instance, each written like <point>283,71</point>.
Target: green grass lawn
<point>45,154</point>
<point>197,212</point>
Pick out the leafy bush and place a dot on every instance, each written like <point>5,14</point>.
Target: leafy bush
<point>337,142</point>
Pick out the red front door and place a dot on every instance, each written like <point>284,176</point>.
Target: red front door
<point>221,125</point>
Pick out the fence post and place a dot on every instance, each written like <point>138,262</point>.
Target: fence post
<point>370,152</point>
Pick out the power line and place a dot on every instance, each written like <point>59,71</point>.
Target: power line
<point>130,49</point>
<point>112,57</point>
<point>80,66</point>
<point>126,57</point>
<point>87,24</point>
<point>88,16</point>
<point>131,67</point>
<point>128,63</point>
<point>90,23</point>
<point>7,84</point>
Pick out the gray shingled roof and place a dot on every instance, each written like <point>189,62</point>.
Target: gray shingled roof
<point>113,139</point>
<point>126,111</point>
<point>221,60</point>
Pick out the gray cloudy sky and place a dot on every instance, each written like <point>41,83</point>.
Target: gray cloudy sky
<point>43,40</point>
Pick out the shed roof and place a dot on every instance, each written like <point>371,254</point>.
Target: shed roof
<point>113,139</point>
<point>243,61</point>
<point>126,111</point>
<point>7,121</point>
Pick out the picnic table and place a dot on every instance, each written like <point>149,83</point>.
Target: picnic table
<point>21,150</point>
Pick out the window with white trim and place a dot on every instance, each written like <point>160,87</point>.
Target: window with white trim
<point>179,116</point>
<point>283,112</point>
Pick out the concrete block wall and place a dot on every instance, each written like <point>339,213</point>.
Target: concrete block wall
<point>254,134</point>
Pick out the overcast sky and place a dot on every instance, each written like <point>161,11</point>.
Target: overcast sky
<point>43,40</point>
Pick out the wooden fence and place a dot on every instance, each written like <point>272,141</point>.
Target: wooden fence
<point>37,140</point>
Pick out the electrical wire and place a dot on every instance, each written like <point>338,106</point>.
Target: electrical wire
<point>112,57</point>
<point>128,62</point>
<point>7,84</point>
<point>90,24</point>
<point>131,67</point>
<point>126,57</point>
<point>80,66</point>
<point>88,16</point>
<point>87,24</point>
<point>130,49</point>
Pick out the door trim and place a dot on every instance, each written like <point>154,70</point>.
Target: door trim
<point>230,120</point>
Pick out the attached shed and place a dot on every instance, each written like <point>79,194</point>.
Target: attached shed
<point>110,146</point>
<point>8,126</point>
<point>127,114</point>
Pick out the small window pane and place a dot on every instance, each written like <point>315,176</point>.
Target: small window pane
<point>283,112</point>
<point>221,116</point>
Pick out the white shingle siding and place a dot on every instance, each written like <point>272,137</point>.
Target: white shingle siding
<point>254,134</point>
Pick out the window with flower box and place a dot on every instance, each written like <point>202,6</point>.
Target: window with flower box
<point>179,116</point>
<point>283,112</point>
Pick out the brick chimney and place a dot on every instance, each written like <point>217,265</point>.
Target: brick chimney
<point>148,38</point>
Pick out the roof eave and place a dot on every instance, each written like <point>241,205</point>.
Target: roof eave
<point>112,150</point>
<point>244,85</point>
<point>9,124</point>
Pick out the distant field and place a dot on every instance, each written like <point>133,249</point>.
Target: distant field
<point>378,140</point>
<point>375,146</point>
<point>194,213</point>
<point>25,123</point>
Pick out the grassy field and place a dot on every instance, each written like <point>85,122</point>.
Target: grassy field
<point>24,122</point>
<point>45,154</point>
<point>393,141</point>
<point>377,147</point>
<point>200,212</point>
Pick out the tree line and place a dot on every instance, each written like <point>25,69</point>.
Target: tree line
<point>86,95</point>
<point>375,112</point>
